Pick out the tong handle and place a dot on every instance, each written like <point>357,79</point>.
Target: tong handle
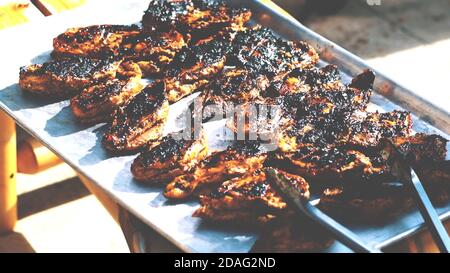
<point>430,215</point>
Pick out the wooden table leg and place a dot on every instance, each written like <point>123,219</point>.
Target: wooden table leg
<point>8,170</point>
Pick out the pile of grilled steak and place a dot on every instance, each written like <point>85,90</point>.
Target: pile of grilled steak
<point>327,143</point>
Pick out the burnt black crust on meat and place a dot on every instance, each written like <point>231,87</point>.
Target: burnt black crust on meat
<point>427,150</point>
<point>169,147</point>
<point>86,34</point>
<point>100,93</point>
<point>247,147</point>
<point>162,14</point>
<point>371,127</point>
<point>206,54</point>
<point>76,67</point>
<point>146,102</point>
<point>246,42</point>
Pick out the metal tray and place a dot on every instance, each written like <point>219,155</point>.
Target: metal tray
<point>54,125</point>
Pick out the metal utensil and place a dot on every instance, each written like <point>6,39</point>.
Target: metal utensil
<point>404,170</point>
<point>296,200</point>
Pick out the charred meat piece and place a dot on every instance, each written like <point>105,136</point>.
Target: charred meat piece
<point>260,51</point>
<point>366,204</point>
<point>256,120</point>
<point>212,16</point>
<point>170,158</point>
<point>162,15</point>
<point>322,117</point>
<point>375,126</point>
<point>326,166</point>
<point>98,41</point>
<point>304,80</point>
<point>372,199</point>
<point>233,87</point>
<point>194,66</point>
<point>344,99</point>
<point>422,148</point>
<point>197,19</point>
<point>429,155</point>
<point>240,158</point>
<point>66,78</point>
<point>139,121</point>
<point>97,102</point>
<point>249,198</point>
<point>153,51</point>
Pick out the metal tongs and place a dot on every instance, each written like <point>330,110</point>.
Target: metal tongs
<point>404,170</point>
<point>407,176</point>
<point>294,198</point>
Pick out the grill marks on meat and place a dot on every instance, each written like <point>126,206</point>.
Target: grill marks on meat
<point>153,51</point>
<point>376,126</point>
<point>322,116</point>
<point>97,102</point>
<point>98,41</point>
<point>197,19</point>
<point>249,198</point>
<point>139,121</point>
<point>376,198</point>
<point>304,80</point>
<point>67,77</point>
<point>325,166</point>
<point>194,66</point>
<point>163,15</point>
<point>261,52</point>
<point>170,158</point>
<point>210,17</point>
<point>237,160</point>
<point>257,58</point>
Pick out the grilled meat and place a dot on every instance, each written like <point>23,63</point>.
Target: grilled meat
<point>162,15</point>
<point>372,199</point>
<point>429,156</point>
<point>325,166</point>
<point>153,51</point>
<point>66,78</point>
<point>97,102</point>
<point>261,52</point>
<point>372,204</point>
<point>248,198</point>
<point>265,117</point>
<point>258,58</point>
<point>139,121</point>
<point>210,17</point>
<point>232,87</point>
<point>240,158</point>
<point>98,41</point>
<point>323,118</point>
<point>304,80</point>
<point>197,19</point>
<point>194,66</point>
<point>171,158</point>
<point>422,148</point>
<point>337,151</point>
<point>375,126</point>
<point>256,120</point>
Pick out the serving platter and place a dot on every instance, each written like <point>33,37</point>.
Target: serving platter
<point>80,146</point>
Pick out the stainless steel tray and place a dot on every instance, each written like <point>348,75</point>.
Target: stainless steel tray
<point>79,146</point>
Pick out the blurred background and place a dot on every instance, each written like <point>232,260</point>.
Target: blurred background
<point>408,40</point>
